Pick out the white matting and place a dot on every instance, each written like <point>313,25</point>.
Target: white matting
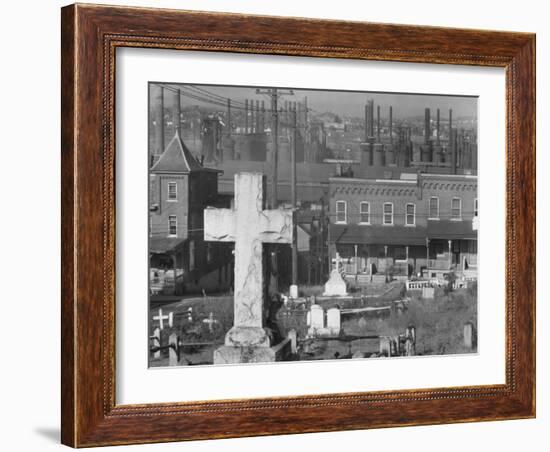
<point>138,384</point>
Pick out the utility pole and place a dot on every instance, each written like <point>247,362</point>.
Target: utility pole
<point>274,93</point>
<point>322,242</point>
<point>294,198</point>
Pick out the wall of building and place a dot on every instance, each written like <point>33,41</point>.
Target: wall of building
<point>445,188</point>
<point>165,207</point>
<point>355,191</point>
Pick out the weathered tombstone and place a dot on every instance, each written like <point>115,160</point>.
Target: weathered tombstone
<point>156,342</point>
<point>335,286</point>
<point>316,319</point>
<point>173,344</point>
<point>249,226</point>
<point>293,341</point>
<point>469,333</point>
<point>210,321</point>
<point>385,346</point>
<point>333,321</point>
<point>428,292</point>
<point>293,291</point>
<point>394,346</point>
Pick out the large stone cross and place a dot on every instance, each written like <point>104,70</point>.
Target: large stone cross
<point>249,226</point>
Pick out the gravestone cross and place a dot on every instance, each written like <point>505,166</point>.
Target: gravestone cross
<point>249,226</point>
<point>161,318</point>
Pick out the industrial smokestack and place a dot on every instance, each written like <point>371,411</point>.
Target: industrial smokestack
<point>391,124</point>
<point>159,122</point>
<point>453,141</point>
<point>427,126</point>
<point>378,123</point>
<point>371,126</point>
<point>366,122</point>
<point>258,116</point>
<point>262,125</point>
<point>437,126</point>
<point>177,112</point>
<point>246,116</point>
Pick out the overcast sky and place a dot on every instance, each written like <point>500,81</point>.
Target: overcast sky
<point>341,102</point>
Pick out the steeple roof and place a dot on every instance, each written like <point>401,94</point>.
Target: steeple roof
<point>176,158</point>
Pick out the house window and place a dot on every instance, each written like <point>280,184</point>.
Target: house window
<point>456,209</point>
<point>341,212</point>
<point>476,211</point>
<point>172,226</point>
<point>364,210</point>
<point>434,208</point>
<point>172,191</point>
<point>410,217</point>
<point>388,213</point>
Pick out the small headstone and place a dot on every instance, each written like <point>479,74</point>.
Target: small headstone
<point>359,354</point>
<point>469,335</point>
<point>161,318</point>
<point>173,350</point>
<point>385,346</point>
<point>294,291</point>
<point>335,286</point>
<point>333,321</point>
<point>317,316</point>
<point>293,341</point>
<point>428,292</point>
<point>394,346</point>
<point>156,342</point>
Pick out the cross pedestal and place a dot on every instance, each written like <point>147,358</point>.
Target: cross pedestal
<point>249,226</point>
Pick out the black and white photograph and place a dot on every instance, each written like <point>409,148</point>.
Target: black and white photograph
<point>292,224</point>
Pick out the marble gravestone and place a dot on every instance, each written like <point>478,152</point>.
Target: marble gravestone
<point>335,286</point>
<point>334,321</point>
<point>249,225</point>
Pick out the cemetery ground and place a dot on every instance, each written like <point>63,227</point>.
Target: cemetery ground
<point>202,322</point>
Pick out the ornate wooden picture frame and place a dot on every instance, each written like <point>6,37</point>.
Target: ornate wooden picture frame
<point>90,38</point>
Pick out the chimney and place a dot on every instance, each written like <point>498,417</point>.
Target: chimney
<point>391,124</point>
<point>159,122</point>
<point>378,123</point>
<point>427,127</point>
<point>246,116</point>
